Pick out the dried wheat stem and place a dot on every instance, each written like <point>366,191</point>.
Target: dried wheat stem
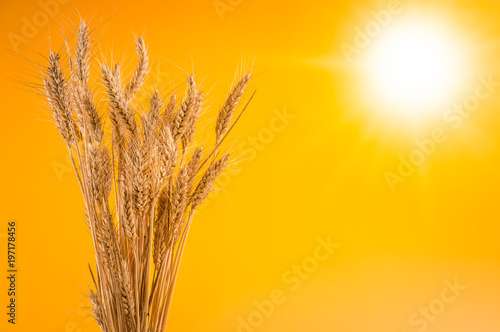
<point>56,89</point>
<point>227,111</point>
<point>140,71</point>
<point>155,168</point>
<point>178,257</point>
<point>120,108</point>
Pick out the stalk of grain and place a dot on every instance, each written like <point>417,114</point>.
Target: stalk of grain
<point>142,177</point>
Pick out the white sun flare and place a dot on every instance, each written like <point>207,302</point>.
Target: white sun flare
<point>414,68</point>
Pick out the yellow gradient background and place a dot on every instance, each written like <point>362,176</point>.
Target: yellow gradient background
<point>320,175</point>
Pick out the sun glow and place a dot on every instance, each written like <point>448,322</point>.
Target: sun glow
<point>414,69</point>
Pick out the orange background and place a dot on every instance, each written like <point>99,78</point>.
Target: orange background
<point>322,175</point>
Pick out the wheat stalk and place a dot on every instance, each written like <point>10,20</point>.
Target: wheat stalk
<point>141,183</point>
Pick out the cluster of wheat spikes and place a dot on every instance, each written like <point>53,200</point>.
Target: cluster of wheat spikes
<point>141,181</point>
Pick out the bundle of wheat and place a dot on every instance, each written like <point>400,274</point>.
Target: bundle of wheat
<point>141,181</point>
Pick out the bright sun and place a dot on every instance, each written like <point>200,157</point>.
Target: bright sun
<point>414,68</point>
